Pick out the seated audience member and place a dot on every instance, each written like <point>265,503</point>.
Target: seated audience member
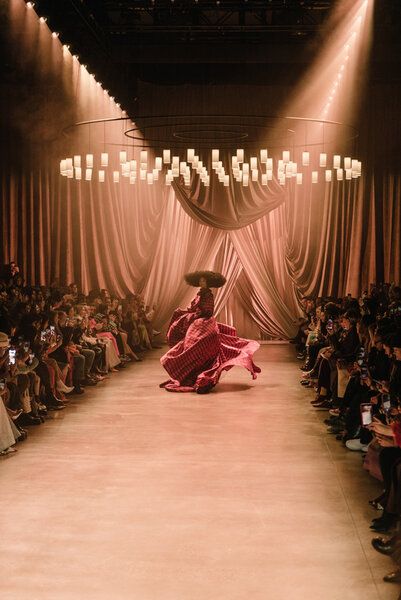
<point>356,370</point>
<point>54,342</point>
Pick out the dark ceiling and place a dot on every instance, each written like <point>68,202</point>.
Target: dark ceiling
<point>188,41</point>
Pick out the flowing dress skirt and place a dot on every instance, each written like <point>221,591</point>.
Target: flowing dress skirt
<point>201,350</point>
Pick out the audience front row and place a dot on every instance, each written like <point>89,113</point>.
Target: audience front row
<point>352,353</point>
<point>54,342</point>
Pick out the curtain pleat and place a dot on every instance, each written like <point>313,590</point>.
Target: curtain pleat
<point>323,240</point>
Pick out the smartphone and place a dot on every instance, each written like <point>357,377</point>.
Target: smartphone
<point>360,362</point>
<point>26,347</point>
<point>31,357</point>
<point>11,355</point>
<point>2,384</point>
<point>329,324</point>
<point>386,402</point>
<point>52,329</point>
<point>364,373</point>
<point>43,336</point>
<point>366,414</point>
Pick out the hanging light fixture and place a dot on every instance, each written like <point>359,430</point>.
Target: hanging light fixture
<point>305,159</point>
<point>242,171</point>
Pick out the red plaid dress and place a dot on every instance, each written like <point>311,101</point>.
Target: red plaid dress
<point>201,348</point>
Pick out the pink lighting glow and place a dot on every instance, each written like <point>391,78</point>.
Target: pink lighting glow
<point>332,88</point>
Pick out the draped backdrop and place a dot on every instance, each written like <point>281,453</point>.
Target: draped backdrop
<point>321,240</point>
<point>273,244</point>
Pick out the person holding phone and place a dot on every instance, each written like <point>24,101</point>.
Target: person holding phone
<point>9,433</point>
<point>388,436</point>
<point>337,359</point>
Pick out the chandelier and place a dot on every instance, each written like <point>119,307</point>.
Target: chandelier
<point>243,170</point>
<point>300,162</point>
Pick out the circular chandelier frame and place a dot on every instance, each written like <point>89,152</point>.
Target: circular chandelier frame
<point>219,132</point>
<point>146,124</point>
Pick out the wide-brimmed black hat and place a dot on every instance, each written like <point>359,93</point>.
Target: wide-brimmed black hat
<point>214,280</point>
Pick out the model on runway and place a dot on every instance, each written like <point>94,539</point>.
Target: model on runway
<point>200,348</point>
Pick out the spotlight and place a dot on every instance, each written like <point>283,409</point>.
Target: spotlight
<point>66,47</point>
<point>43,19</point>
<point>55,34</point>
<point>30,4</point>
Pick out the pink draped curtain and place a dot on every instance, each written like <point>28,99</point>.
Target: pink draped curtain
<point>139,238</point>
<point>231,207</point>
<point>272,245</point>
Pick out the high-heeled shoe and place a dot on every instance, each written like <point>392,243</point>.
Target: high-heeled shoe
<point>15,414</point>
<point>376,502</point>
<point>61,387</point>
<point>10,450</point>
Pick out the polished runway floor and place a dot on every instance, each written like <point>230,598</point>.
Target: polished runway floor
<point>135,493</point>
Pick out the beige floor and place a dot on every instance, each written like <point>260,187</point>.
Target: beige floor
<point>135,493</point>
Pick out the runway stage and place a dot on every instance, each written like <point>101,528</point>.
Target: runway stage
<point>136,493</point>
